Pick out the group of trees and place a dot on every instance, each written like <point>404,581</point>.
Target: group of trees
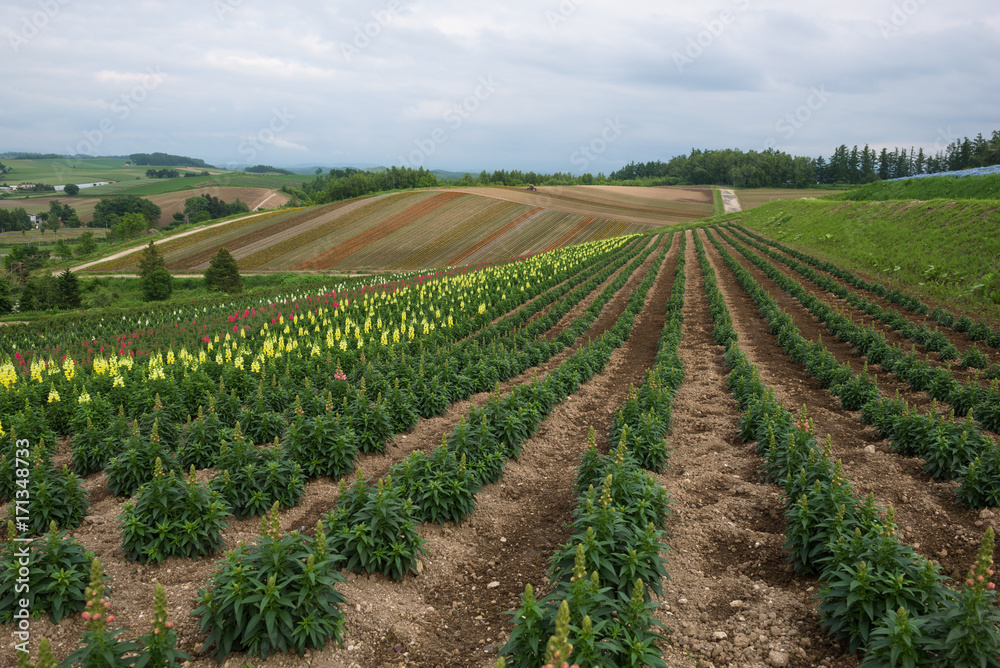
<point>206,207</point>
<point>125,216</point>
<point>14,220</point>
<point>340,184</point>
<point>267,169</point>
<point>772,168</point>
<point>167,160</point>
<point>162,173</point>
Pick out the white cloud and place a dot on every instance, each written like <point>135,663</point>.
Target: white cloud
<point>559,79</point>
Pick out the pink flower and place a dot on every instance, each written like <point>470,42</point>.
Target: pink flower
<point>111,618</point>
<point>85,615</point>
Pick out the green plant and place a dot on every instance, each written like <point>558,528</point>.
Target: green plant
<point>98,646</point>
<point>324,445</point>
<point>895,642</point>
<point>201,438</point>
<point>964,630</point>
<point>275,594</point>
<point>56,579</point>
<point>134,467</point>
<point>440,484</point>
<point>975,358</point>
<point>157,285</point>
<point>253,485</point>
<point>56,496</point>
<point>171,517</point>
<point>222,273</point>
<point>160,644</point>
<point>374,529</point>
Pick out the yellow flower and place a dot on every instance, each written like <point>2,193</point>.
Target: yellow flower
<point>53,395</point>
<point>84,397</point>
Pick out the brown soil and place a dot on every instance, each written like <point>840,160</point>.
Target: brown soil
<point>731,600</point>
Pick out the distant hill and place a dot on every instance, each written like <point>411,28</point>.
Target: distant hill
<point>167,160</point>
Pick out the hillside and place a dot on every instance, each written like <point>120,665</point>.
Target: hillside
<point>407,230</point>
<point>927,187</point>
<point>942,249</point>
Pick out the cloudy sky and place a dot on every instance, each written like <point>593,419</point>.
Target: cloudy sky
<point>576,85</point>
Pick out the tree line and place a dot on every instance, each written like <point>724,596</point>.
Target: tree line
<point>772,168</point>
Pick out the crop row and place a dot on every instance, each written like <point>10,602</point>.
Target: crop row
<point>165,247</point>
<point>264,256</point>
<point>166,493</point>
<point>599,611</point>
<point>931,340</point>
<point>337,415</point>
<point>377,232</point>
<point>976,331</point>
<point>443,241</point>
<point>278,593</point>
<point>310,217</point>
<point>413,317</point>
<point>493,236</point>
<point>949,448</point>
<point>878,595</point>
<point>966,398</point>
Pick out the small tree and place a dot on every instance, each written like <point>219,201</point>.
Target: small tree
<point>87,244</point>
<point>150,260</point>
<point>130,225</point>
<point>71,189</point>
<point>223,274</point>
<point>69,290</point>
<point>157,285</point>
<point>63,250</point>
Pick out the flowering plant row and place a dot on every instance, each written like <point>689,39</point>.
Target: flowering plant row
<point>976,331</point>
<point>372,528</point>
<point>599,612</point>
<point>879,596</point>
<point>949,451</point>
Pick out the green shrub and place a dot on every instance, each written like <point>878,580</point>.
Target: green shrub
<point>275,594</point>
<point>157,285</point>
<point>441,486</point>
<point>57,579</point>
<point>374,529</point>
<point>135,466</point>
<point>55,496</point>
<point>260,480</point>
<point>171,517</point>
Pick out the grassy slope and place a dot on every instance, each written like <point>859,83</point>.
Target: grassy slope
<point>931,187</point>
<point>939,249</point>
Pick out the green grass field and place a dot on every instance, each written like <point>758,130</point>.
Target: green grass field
<point>146,187</point>
<point>942,249</point>
<point>930,187</point>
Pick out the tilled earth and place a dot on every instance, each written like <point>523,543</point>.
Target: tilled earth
<point>731,599</point>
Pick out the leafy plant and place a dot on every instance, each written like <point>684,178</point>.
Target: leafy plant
<point>98,645</point>
<point>252,484</point>
<point>275,594</point>
<point>160,644</point>
<point>171,517</point>
<point>134,467</point>
<point>440,484</point>
<point>964,630</point>
<point>373,528</point>
<point>56,496</point>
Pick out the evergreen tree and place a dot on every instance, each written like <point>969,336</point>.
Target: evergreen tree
<point>157,285</point>
<point>223,274</point>
<point>150,260</point>
<point>69,290</point>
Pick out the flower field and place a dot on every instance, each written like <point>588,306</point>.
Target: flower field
<point>406,231</point>
<point>704,437</point>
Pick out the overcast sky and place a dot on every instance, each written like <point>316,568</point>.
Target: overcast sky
<point>577,85</point>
